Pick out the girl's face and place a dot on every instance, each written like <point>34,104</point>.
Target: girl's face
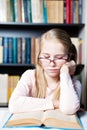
<point>53,55</point>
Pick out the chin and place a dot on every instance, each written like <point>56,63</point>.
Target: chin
<point>53,75</point>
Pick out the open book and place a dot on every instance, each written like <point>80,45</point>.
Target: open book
<point>49,118</point>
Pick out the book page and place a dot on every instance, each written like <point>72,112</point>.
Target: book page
<point>28,118</point>
<point>56,118</point>
<point>59,115</point>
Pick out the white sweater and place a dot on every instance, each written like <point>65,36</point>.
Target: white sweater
<point>24,100</point>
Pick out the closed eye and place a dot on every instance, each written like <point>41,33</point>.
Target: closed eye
<point>59,57</point>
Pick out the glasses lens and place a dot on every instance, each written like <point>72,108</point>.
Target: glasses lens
<point>61,59</point>
<point>44,61</point>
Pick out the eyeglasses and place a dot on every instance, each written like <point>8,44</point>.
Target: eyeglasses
<point>57,60</point>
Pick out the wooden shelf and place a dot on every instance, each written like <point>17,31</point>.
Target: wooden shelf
<point>15,69</point>
<point>30,30</point>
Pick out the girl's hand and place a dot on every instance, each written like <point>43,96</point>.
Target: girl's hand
<point>69,67</point>
<point>56,104</point>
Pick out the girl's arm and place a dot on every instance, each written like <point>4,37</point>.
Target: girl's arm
<point>70,92</point>
<point>22,100</point>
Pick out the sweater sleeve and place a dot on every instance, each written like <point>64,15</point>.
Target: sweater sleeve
<point>22,100</point>
<point>70,93</point>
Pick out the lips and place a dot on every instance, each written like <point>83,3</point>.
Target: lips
<point>53,70</point>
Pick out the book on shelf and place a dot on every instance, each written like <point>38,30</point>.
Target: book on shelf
<point>17,10</point>
<point>12,82</point>
<point>14,42</point>
<point>49,119</point>
<point>7,85</point>
<point>37,11</point>
<point>12,11</point>
<point>45,14</point>
<point>32,50</point>
<point>5,50</point>
<point>41,11</point>
<point>68,11</point>
<point>24,9</point>
<point>76,11</point>
<point>29,11</point>
<point>4,11</point>
<point>55,11</point>
<point>10,50</point>
<point>1,51</point>
<point>19,51</point>
<point>3,89</point>
<point>28,51</point>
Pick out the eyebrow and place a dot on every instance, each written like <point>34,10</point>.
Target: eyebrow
<point>54,55</point>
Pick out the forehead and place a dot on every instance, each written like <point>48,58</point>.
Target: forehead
<point>53,47</point>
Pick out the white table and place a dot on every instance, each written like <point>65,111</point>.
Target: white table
<point>4,114</point>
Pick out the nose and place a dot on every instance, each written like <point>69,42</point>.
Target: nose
<point>52,63</point>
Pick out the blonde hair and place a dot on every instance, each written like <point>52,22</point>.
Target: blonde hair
<point>41,84</point>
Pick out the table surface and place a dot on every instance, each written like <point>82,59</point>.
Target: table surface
<point>4,114</point>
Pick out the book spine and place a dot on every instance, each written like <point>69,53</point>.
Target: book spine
<point>10,50</point>
<point>37,11</point>
<point>23,50</point>
<point>80,10</point>
<point>1,51</point>
<point>4,89</point>
<point>25,11</point>
<point>5,50</point>
<point>29,11</point>
<point>3,11</point>
<point>10,87</point>
<point>32,50</point>
<point>19,51</point>
<point>15,11</point>
<point>12,11</point>
<point>12,82</point>
<point>64,10</point>
<point>28,51</point>
<point>19,8</point>
<point>68,11</point>
<point>15,40</point>
<point>45,11</point>
<point>75,12</point>
<point>8,11</point>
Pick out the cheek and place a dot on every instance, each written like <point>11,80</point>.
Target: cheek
<point>62,63</point>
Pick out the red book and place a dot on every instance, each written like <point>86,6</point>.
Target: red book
<point>68,11</point>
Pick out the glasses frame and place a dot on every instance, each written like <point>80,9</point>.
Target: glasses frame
<point>54,60</point>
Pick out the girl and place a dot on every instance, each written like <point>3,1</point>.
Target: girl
<point>52,84</point>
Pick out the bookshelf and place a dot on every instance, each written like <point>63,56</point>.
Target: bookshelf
<point>25,29</point>
<point>30,30</point>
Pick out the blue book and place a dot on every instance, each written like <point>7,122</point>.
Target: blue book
<point>19,50</point>
<point>83,118</point>
<point>15,40</point>
<point>28,51</point>
<point>5,49</point>
<point>29,11</point>
<point>80,10</point>
<point>25,11</point>
<point>10,50</point>
<point>50,119</point>
<point>45,15</point>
